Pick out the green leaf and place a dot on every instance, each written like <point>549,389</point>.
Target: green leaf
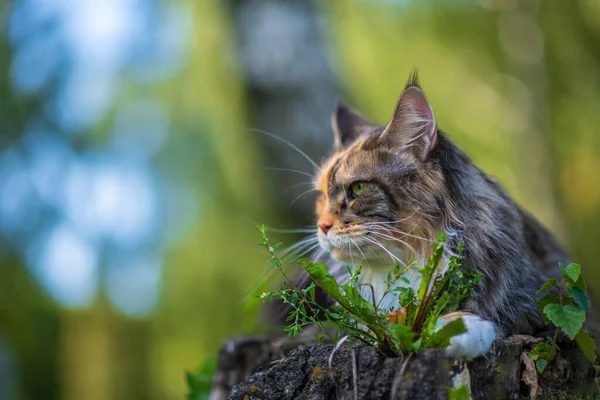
<point>460,393</point>
<point>569,318</point>
<point>541,350</point>
<point>406,295</point>
<point>544,301</point>
<point>573,271</point>
<point>441,338</point>
<point>434,260</point>
<point>587,345</point>
<point>417,344</point>
<point>547,286</point>
<point>320,275</point>
<point>580,297</point>
<point>351,299</point>
<point>403,335</point>
<point>541,365</point>
<point>359,306</point>
<point>200,382</point>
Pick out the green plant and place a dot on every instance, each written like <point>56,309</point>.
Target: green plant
<point>404,330</point>
<point>199,382</point>
<point>567,307</point>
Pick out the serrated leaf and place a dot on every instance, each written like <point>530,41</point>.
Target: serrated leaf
<point>587,345</point>
<point>547,286</point>
<point>544,301</point>
<point>573,271</point>
<point>569,318</point>
<point>579,297</point>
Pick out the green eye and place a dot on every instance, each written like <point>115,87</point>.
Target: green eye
<point>357,189</point>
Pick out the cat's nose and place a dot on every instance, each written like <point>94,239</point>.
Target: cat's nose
<point>325,226</point>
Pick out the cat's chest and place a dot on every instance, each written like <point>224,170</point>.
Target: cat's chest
<point>374,282</point>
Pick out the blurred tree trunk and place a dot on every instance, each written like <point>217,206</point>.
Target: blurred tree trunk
<point>104,355</point>
<point>290,87</point>
<point>85,356</point>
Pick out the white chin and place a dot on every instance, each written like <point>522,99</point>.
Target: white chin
<point>342,255</point>
<point>376,257</point>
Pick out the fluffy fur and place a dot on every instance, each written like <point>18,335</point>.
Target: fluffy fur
<point>415,183</point>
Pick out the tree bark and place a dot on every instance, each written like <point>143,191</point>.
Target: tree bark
<point>321,372</point>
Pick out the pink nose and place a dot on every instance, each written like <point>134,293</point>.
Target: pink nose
<point>325,226</point>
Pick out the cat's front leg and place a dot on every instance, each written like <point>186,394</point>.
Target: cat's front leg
<point>478,339</point>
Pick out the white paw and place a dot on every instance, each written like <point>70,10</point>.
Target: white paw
<point>476,341</point>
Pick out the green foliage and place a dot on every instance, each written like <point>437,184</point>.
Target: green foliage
<point>568,318</point>
<point>541,353</point>
<point>405,329</point>
<point>567,310</point>
<point>586,344</point>
<point>200,381</point>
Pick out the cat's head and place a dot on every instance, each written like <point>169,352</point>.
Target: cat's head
<point>383,196</point>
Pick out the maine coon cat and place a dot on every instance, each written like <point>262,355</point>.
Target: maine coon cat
<point>386,191</point>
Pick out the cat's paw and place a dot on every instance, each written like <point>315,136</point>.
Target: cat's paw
<point>476,341</point>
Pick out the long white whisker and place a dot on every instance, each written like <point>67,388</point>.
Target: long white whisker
<point>298,184</point>
<point>306,244</point>
<point>301,230</point>
<point>308,250</point>
<point>361,252</point>
<point>395,239</point>
<point>390,222</point>
<point>302,195</point>
<point>398,231</point>
<point>290,170</point>
<point>303,154</point>
<point>375,254</point>
<point>376,242</point>
<point>303,242</point>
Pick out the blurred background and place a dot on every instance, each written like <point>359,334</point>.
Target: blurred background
<point>133,170</point>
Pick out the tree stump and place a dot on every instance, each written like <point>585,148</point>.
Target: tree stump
<point>312,372</point>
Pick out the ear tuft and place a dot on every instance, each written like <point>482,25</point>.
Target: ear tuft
<point>348,125</point>
<point>413,124</point>
<point>413,79</point>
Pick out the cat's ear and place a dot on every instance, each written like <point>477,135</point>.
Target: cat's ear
<point>413,124</point>
<point>348,125</point>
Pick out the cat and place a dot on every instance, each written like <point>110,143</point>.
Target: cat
<point>386,191</point>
